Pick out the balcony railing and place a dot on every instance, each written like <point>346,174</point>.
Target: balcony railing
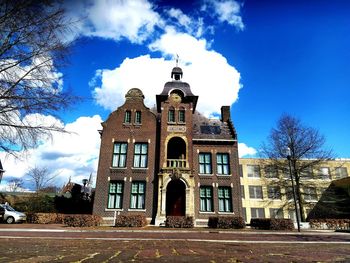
<point>176,163</point>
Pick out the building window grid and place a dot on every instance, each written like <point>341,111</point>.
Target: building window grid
<point>242,191</point>
<point>253,171</point>
<point>138,118</point>
<point>255,192</point>
<point>276,213</point>
<point>127,117</point>
<point>274,192</point>
<point>137,200</point>
<point>181,116</point>
<point>323,173</point>
<point>223,163</point>
<point>225,199</point>
<point>115,195</point>
<point>140,155</point>
<point>205,166</point>
<point>206,198</point>
<point>257,212</point>
<point>341,172</point>
<point>271,171</point>
<point>310,194</point>
<point>171,115</point>
<point>119,154</point>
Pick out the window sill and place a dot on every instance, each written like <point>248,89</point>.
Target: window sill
<point>136,210</point>
<point>139,168</point>
<point>226,213</point>
<point>208,213</point>
<point>224,175</point>
<point>205,174</point>
<point>117,168</point>
<point>114,209</point>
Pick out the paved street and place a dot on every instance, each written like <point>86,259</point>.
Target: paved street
<point>59,244</point>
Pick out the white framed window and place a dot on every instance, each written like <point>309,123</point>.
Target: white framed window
<point>119,154</point>
<point>206,198</point>
<point>181,116</point>
<point>323,173</point>
<point>223,163</point>
<point>255,192</point>
<point>276,213</point>
<point>271,171</point>
<point>140,155</point>
<point>225,199</point>
<point>253,171</point>
<point>310,194</point>
<point>138,192</point>
<point>341,172</point>
<point>171,114</point>
<point>205,163</point>
<point>127,117</point>
<point>274,192</point>
<point>115,195</point>
<point>257,212</point>
<point>138,118</point>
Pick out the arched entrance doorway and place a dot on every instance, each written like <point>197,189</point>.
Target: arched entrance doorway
<point>176,198</point>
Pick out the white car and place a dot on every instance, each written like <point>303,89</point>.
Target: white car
<point>10,215</point>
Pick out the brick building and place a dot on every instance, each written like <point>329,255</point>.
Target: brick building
<point>167,161</point>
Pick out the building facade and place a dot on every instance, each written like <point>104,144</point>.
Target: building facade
<point>266,192</point>
<point>167,161</point>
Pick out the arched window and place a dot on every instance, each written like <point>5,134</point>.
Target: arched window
<point>181,116</point>
<point>171,114</point>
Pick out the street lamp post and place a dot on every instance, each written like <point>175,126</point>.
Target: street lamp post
<point>289,158</point>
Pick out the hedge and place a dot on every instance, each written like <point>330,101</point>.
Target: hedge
<point>179,222</point>
<point>131,221</point>
<point>226,222</point>
<point>82,220</point>
<point>272,223</point>
<point>330,223</point>
<point>77,220</point>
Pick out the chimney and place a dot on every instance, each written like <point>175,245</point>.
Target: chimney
<point>225,113</point>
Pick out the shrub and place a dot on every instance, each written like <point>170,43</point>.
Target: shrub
<point>272,223</point>
<point>82,220</point>
<point>226,222</point>
<point>44,218</point>
<point>179,221</point>
<point>330,223</point>
<point>131,221</point>
<point>281,224</point>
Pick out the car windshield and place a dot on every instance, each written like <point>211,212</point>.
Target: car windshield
<point>9,208</point>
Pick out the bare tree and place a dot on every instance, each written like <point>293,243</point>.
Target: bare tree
<point>41,177</point>
<point>32,48</point>
<point>302,146</point>
<point>15,184</point>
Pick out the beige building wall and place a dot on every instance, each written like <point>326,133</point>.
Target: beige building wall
<point>255,185</point>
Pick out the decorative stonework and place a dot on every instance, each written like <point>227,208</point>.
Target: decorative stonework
<point>134,94</point>
<point>176,174</point>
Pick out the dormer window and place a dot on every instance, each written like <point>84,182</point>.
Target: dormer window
<point>127,117</point>
<point>171,114</point>
<point>138,117</point>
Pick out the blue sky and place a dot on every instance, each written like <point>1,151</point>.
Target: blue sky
<point>264,58</point>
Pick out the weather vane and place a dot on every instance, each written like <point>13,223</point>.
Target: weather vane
<point>177,59</point>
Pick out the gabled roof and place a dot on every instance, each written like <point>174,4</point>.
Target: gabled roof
<point>211,129</point>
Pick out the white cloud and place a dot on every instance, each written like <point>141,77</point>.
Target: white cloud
<point>207,71</point>
<point>74,154</point>
<point>134,20</point>
<point>226,11</point>
<point>244,150</point>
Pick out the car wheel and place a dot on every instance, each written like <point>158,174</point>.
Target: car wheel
<point>10,220</point>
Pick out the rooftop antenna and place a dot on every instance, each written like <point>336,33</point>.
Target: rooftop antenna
<point>177,60</point>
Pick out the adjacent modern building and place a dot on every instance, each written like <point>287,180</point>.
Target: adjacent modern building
<point>266,192</point>
<point>167,161</point>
